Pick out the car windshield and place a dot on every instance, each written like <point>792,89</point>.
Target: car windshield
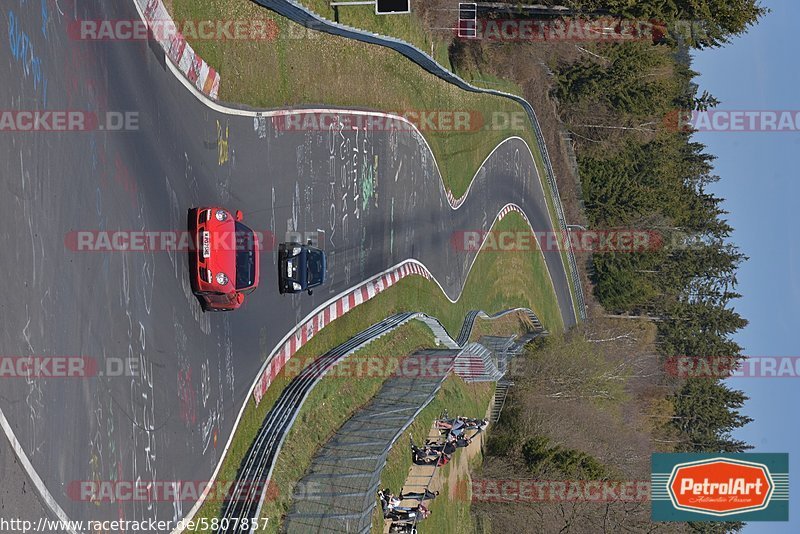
<point>315,268</point>
<point>245,256</point>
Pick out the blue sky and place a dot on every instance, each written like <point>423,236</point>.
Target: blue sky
<point>761,185</point>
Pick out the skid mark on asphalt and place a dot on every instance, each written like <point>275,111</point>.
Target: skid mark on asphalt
<point>203,319</point>
<point>29,200</point>
<point>205,382</point>
<point>30,203</point>
<point>104,461</point>
<point>272,225</point>
<point>187,397</point>
<point>191,180</point>
<point>227,351</point>
<point>143,413</point>
<point>176,219</point>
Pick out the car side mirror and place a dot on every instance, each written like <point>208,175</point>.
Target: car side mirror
<point>239,297</point>
<point>239,215</point>
<point>310,292</point>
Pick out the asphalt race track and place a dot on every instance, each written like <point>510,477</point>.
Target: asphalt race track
<point>376,196</point>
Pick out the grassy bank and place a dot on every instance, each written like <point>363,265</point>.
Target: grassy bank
<point>448,514</point>
<point>497,281</point>
<point>408,27</point>
<point>328,406</point>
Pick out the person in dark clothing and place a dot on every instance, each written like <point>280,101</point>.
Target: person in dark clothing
<point>472,423</point>
<point>426,495</point>
<point>463,441</point>
<point>449,447</point>
<point>426,460</point>
<point>423,455</point>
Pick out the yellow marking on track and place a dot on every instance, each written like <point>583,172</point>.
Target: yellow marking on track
<point>222,144</point>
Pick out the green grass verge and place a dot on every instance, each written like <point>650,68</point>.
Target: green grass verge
<point>449,515</point>
<point>407,27</point>
<point>503,326</point>
<point>498,281</point>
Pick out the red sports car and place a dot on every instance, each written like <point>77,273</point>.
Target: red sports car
<point>224,262</point>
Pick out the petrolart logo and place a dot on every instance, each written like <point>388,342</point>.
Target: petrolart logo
<point>720,487</point>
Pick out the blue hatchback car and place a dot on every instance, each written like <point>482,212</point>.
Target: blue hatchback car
<point>300,267</point>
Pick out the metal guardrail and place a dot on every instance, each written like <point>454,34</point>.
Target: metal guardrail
<point>305,17</point>
<point>476,363</point>
<point>469,322</point>
<point>338,490</point>
<point>247,495</point>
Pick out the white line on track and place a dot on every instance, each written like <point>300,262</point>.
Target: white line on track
<point>35,478</point>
